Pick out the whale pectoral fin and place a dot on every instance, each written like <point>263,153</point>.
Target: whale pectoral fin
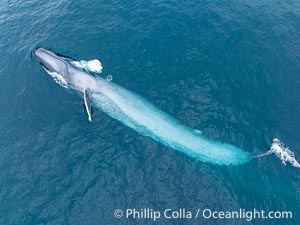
<point>87,103</point>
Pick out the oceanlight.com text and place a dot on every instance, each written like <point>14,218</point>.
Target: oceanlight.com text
<point>203,214</point>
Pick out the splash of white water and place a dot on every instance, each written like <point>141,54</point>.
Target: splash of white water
<point>283,153</point>
<point>93,65</point>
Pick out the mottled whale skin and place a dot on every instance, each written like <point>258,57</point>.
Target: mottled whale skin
<point>137,113</point>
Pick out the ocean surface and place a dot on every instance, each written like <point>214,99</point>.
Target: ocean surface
<point>230,69</point>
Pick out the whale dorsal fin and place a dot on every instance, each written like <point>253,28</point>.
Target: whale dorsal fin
<point>87,103</point>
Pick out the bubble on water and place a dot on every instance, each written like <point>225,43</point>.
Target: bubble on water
<point>109,78</point>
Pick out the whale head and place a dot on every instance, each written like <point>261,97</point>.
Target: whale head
<point>50,61</point>
<point>66,74</point>
<point>56,66</point>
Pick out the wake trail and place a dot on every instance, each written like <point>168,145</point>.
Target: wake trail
<point>282,152</point>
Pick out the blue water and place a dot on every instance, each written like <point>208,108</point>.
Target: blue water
<point>228,68</point>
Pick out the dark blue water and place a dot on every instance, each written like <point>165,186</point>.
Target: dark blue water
<point>228,68</point>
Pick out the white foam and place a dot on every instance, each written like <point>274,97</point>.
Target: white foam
<point>284,153</point>
<point>58,78</point>
<point>93,65</point>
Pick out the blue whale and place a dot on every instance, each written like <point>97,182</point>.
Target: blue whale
<point>137,113</point>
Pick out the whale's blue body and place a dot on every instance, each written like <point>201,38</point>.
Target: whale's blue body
<point>140,115</point>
